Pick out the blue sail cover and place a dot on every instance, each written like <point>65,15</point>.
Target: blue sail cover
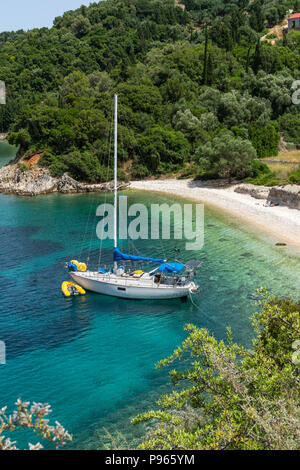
<point>119,256</point>
<point>171,268</point>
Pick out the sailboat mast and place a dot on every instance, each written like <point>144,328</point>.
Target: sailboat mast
<point>115,175</point>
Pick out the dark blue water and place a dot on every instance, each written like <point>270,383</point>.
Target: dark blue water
<point>92,358</point>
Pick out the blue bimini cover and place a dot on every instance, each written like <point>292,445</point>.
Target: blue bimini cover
<point>171,268</point>
<point>119,256</point>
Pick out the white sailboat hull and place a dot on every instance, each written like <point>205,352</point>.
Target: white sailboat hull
<point>131,288</point>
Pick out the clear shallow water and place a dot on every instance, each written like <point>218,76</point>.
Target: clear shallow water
<point>7,153</point>
<point>92,358</point>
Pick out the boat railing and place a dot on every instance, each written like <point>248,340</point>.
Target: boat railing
<point>122,280</point>
<point>128,280</point>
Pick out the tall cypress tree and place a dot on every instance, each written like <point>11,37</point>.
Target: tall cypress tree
<point>210,76</point>
<point>284,39</point>
<point>257,17</point>
<point>248,59</point>
<point>204,76</point>
<point>257,57</point>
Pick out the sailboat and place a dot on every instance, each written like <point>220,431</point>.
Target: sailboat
<point>168,280</point>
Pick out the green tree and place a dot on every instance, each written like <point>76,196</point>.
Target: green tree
<point>162,149</point>
<point>75,85</point>
<point>231,397</point>
<point>225,156</point>
<point>265,139</point>
<point>289,124</point>
<point>256,62</point>
<point>60,81</point>
<point>257,17</point>
<point>204,75</point>
<point>20,139</point>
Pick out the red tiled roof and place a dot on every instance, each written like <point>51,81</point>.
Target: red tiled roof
<point>295,15</point>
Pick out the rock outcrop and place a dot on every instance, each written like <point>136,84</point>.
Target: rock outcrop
<point>258,192</point>
<point>3,136</point>
<point>38,180</point>
<point>288,195</point>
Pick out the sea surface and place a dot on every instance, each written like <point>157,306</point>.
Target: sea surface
<point>93,357</point>
<point>7,153</point>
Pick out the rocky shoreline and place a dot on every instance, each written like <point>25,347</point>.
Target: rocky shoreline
<point>37,181</point>
<point>288,195</point>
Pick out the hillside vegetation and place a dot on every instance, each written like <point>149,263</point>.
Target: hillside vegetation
<point>199,93</point>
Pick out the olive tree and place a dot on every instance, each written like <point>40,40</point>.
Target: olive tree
<point>226,156</point>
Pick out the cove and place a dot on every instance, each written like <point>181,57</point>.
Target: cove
<point>93,358</point>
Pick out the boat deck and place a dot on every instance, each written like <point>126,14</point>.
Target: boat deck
<point>128,280</point>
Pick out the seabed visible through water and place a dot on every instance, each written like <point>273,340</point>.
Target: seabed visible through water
<point>93,357</point>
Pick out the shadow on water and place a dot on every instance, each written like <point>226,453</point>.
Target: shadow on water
<point>20,246</point>
<point>36,315</point>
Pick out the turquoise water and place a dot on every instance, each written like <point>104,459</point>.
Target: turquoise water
<point>7,153</point>
<point>92,358</point>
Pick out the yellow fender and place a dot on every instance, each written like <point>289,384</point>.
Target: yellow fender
<point>138,272</point>
<point>80,266</point>
<point>65,290</point>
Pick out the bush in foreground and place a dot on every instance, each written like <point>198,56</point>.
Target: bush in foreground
<point>34,418</point>
<point>231,397</point>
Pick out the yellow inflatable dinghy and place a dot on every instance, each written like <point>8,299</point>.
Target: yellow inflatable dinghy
<point>71,288</point>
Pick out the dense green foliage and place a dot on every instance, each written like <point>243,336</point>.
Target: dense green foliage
<point>230,397</point>
<point>226,156</point>
<point>290,126</point>
<point>294,176</point>
<point>190,82</point>
<point>261,174</point>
